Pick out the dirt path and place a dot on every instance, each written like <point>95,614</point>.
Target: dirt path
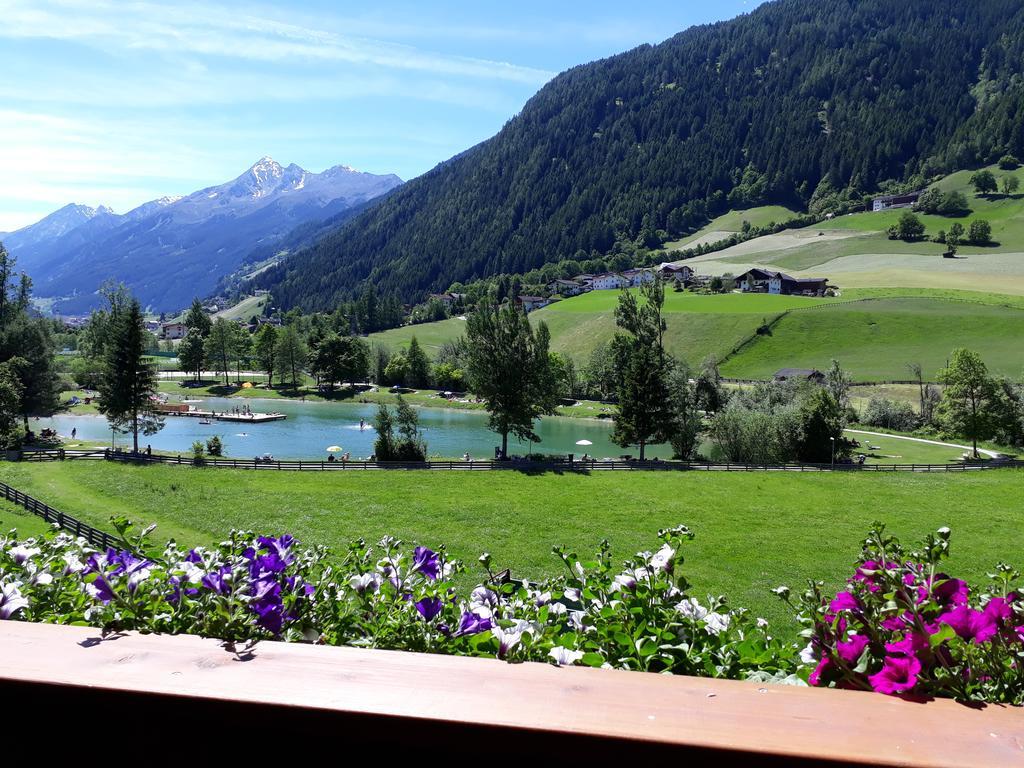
<point>990,454</point>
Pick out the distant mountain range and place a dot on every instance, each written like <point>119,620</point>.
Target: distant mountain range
<point>169,250</point>
<point>799,103</point>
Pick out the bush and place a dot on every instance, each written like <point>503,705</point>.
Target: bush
<point>1008,163</point>
<point>902,626</point>
<point>214,446</point>
<point>890,414</point>
<point>980,232</point>
<point>198,450</point>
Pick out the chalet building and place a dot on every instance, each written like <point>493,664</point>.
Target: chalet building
<point>609,281</point>
<point>888,202</point>
<point>638,277</point>
<point>173,330</point>
<point>530,303</point>
<point>759,280</point>
<point>448,299</point>
<point>800,374</point>
<point>566,287</point>
<point>677,272</point>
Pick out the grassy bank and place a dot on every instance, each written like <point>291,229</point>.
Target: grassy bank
<point>754,530</point>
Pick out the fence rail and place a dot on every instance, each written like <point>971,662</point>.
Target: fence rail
<point>521,465</point>
<point>94,536</point>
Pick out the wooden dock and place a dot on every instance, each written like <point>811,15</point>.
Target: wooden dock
<point>244,418</point>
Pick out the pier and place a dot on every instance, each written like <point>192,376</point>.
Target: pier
<point>174,409</point>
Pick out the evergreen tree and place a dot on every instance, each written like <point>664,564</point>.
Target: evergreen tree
<point>197,321</point>
<point>11,433</point>
<point>642,370</point>
<point>508,368</point>
<point>419,364</point>
<point>969,398</point>
<point>129,384</point>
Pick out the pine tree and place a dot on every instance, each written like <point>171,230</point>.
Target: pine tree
<point>128,386</point>
<point>197,320</point>
<point>419,364</point>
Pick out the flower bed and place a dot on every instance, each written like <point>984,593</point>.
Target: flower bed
<point>901,626</point>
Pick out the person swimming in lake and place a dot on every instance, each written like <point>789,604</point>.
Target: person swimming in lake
<point>362,424</point>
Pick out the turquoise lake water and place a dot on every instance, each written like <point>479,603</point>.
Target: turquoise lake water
<point>313,426</point>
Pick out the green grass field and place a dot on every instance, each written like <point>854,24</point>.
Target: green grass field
<point>875,339</point>
<point>730,222</point>
<point>754,530</point>
<point>246,308</point>
<point>430,335</point>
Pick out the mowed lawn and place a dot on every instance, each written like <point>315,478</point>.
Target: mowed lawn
<point>875,339</point>
<point>754,530</point>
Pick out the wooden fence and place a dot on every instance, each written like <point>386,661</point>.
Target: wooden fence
<point>99,539</point>
<point>520,465</point>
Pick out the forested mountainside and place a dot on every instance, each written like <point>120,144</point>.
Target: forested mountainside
<point>798,101</point>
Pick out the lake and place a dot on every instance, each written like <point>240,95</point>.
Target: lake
<point>312,426</point>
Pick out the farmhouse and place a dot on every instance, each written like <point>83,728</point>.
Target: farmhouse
<point>670,271</point>
<point>759,280</point>
<point>173,330</point>
<point>887,202</point>
<point>800,374</point>
<point>530,303</point>
<point>445,298</point>
<point>638,277</point>
<point>566,287</point>
<point>609,281</point>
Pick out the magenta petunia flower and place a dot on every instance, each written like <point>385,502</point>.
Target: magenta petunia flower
<point>895,623</point>
<point>898,675</point>
<point>851,649</point>
<point>911,644</point>
<point>815,677</point>
<point>998,609</point>
<point>970,624</point>
<point>949,591</point>
<point>844,601</point>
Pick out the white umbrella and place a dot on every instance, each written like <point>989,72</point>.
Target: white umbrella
<point>334,449</point>
<point>583,442</point>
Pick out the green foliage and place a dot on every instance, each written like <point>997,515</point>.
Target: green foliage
<point>822,420</point>
<point>980,232</point>
<point>641,369</point>
<point>509,368</point>
<point>265,349</point>
<point>890,414</point>
<point>409,444</point>
<point>290,355</point>
<point>969,399</point>
<point>396,372</point>
<point>863,96</point>
<point>337,358</point>
<point>198,453</point>
<point>192,353</point>
<point>11,433</point>
<point>1010,184</point>
<point>984,181</point>
<point>214,446</point>
<point>687,420</point>
<point>128,385</point>
<point>197,321</point>
<point>1008,163</point>
<point>909,228</point>
<point>419,365</point>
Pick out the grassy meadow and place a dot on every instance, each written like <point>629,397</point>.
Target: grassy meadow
<point>754,530</point>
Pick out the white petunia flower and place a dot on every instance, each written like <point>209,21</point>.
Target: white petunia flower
<point>809,655</point>
<point>663,559</point>
<point>21,554</point>
<point>691,609</point>
<point>716,623</point>
<point>563,656</point>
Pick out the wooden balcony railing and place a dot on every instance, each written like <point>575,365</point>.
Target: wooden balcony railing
<point>186,700</point>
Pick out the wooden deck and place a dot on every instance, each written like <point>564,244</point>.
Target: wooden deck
<point>146,691</point>
<point>252,418</point>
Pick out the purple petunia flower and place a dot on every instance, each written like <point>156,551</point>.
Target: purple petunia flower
<point>472,624</point>
<point>218,581</point>
<point>429,607</point>
<point>11,600</point>
<point>426,562</point>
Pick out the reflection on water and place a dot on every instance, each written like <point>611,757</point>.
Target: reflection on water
<point>312,426</point>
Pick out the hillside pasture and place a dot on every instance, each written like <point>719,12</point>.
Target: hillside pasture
<point>875,339</point>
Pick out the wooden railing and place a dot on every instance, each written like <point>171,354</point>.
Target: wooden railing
<point>521,465</point>
<point>156,695</point>
<point>94,536</point>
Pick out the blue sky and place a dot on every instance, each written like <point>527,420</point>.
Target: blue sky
<point>118,103</point>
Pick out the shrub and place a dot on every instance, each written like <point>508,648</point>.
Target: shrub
<point>198,450</point>
<point>1008,163</point>
<point>980,232</point>
<point>902,626</point>
<point>214,446</point>
<point>890,414</point>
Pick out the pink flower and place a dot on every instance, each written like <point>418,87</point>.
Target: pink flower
<point>911,644</point>
<point>970,624</point>
<point>998,608</point>
<point>815,677</point>
<point>949,591</point>
<point>844,601</point>
<point>895,623</point>
<point>865,573</point>
<point>898,674</point>
<point>850,650</point>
